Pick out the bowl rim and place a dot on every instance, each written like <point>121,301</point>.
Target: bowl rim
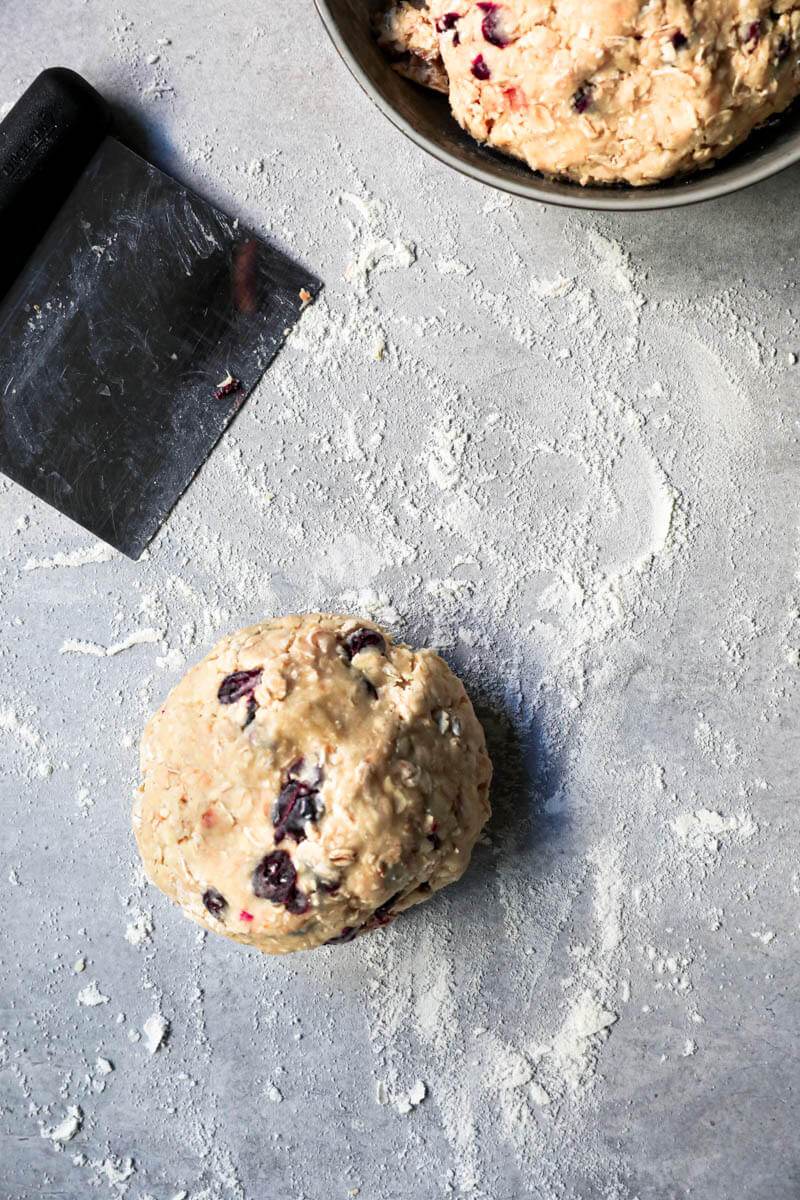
<point>635,199</point>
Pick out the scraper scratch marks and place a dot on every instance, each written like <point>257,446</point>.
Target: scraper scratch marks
<point>192,237</point>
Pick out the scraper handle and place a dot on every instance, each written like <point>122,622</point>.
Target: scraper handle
<point>46,140</point>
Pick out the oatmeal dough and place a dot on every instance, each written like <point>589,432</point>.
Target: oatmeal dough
<point>308,780</point>
<point>605,90</point>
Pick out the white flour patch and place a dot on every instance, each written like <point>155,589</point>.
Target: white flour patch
<point>375,251</point>
<point>376,255</point>
<point>372,604</point>
<point>113,1171</point>
<point>91,996</point>
<point>552,288</point>
<point>615,262</point>
<point>706,829</point>
<point>28,745</point>
<point>173,660</point>
<point>444,461</point>
<point>608,887</point>
<point>139,929</point>
<point>11,723</point>
<point>368,208</point>
<point>575,1047</point>
<point>155,1030</point>
<point>98,553</point>
<point>140,637</point>
<point>413,1097</point>
<point>65,1131</point>
<point>451,266</point>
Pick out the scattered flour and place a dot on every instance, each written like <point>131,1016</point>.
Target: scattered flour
<point>98,553</point>
<point>444,462</point>
<point>575,1047</point>
<point>155,1030</point>
<point>379,254</point>
<point>140,928</point>
<point>372,604</point>
<point>139,638</point>
<point>413,1097</point>
<point>26,734</point>
<point>375,251</point>
<point>115,1172</point>
<point>540,503</point>
<point>91,996</point>
<point>451,266</point>
<point>65,1131</point>
<point>705,828</point>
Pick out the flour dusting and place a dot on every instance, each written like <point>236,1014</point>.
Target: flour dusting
<point>558,448</point>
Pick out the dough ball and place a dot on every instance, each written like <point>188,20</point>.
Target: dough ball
<point>309,780</point>
<point>605,90</point>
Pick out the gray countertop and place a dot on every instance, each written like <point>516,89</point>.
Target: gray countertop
<point>562,449</point>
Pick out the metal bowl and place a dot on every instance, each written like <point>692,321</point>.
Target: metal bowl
<point>424,116</point>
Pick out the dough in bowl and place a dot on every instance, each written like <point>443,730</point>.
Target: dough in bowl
<point>309,780</point>
<point>604,91</point>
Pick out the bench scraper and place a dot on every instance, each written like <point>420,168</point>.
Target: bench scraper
<point>134,317</point>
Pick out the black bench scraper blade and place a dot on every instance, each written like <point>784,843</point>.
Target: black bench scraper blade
<point>132,328</point>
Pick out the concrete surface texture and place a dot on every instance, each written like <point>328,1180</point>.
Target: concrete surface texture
<point>562,449</point>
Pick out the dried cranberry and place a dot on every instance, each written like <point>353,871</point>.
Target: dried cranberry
<point>238,685</point>
<point>297,903</point>
<point>491,25</point>
<point>241,683</point>
<point>215,902</point>
<point>753,34</point>
<point>275,877</point>
<point>582,98</point>
<point>228,387</point>
<point>362,639</point>
<point>679,40</point>
<point>479,68</point>
<point>447,22</point>
<point>298,802</point>
<point>347,935</point>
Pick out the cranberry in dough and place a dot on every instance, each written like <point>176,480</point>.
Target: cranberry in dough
<point>309,780</point>
<point>604,91</point>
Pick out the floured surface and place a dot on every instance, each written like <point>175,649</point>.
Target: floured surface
<point>559,449</point>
